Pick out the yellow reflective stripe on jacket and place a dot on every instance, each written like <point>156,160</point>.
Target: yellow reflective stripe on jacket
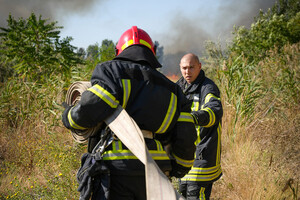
<point>196,103</point>
<point>104,95</point>
<point>212,117</point>
<point>185,117</point>
<point>198,140</point>
<point>209,170</point>
<point>159,146</point>
<point>202,193</point>
<point>185,163</point>
<point>126,91</point>
<point>218,160</point>
<point>169,115</point>
<point>127,154</point>
<point>209,96</point>
<point>202,177</point>
<point>118,153</point>
<point>72,123</point>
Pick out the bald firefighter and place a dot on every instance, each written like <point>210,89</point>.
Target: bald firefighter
<point>207,113</point>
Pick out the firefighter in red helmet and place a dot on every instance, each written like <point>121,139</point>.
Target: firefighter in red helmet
<point>155,103</point>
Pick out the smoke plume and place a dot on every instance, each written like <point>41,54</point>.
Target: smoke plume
<point>189,34</point>
<point>55,10</point>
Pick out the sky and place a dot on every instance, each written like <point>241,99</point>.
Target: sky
<point>179,26</point>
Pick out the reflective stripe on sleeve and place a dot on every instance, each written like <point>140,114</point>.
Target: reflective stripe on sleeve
<point>104,95</point>
<point>203,174</point>
<point>185,117</point>
<point>185,163</point>
<point>212,117</point>
<point>72,123</point>
<point>209,96</point>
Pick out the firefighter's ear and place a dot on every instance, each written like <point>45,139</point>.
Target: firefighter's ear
<point>154,48</point>
<point>116,51</point>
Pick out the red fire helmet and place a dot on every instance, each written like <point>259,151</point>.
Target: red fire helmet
<point>134,36</point>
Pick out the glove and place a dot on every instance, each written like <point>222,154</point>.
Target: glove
<point>178,171</point>
<point>65,115</point>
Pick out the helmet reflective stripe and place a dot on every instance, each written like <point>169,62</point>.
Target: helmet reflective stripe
<point>169,115</point>
<point>145,43</point>
<point>127,44</point>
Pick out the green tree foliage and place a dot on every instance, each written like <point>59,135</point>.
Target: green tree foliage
<point>92,52</point>
<point>107,50</point>
<point>240,69</point>
<point>35,48</point>
<point>277,27</point>
<point>97,54</point>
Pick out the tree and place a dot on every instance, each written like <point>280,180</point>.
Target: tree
<point>107,50</point>
<point>81,53</point>
<point>92,52</point>
<point>36,48</point>
<point>277,27</point>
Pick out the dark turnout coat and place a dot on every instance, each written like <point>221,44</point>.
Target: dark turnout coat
<point>153,101</point>
<point>207,112</point>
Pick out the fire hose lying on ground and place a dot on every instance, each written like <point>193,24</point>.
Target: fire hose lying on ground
<point>158,185</point>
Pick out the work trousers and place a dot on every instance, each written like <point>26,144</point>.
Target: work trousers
<point>123,187</point>
<point>195,190</point>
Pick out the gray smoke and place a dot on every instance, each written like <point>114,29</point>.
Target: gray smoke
<point>189,35</point>
<point>54,10</point>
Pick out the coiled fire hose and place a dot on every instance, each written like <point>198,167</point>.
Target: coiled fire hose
<point>72,97</point>
<point>158,185</point>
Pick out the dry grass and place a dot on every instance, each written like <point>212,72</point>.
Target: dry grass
<point>256,161</point>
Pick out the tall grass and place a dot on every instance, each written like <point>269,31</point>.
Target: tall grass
<point>38,158</point>
<point>260,155</point>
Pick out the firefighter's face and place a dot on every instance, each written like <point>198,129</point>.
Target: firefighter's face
<point>190,69</point>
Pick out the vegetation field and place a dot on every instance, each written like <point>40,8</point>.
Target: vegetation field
<point>257,73</point>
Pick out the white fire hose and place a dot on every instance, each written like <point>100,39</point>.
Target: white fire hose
<point>158,185</point>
